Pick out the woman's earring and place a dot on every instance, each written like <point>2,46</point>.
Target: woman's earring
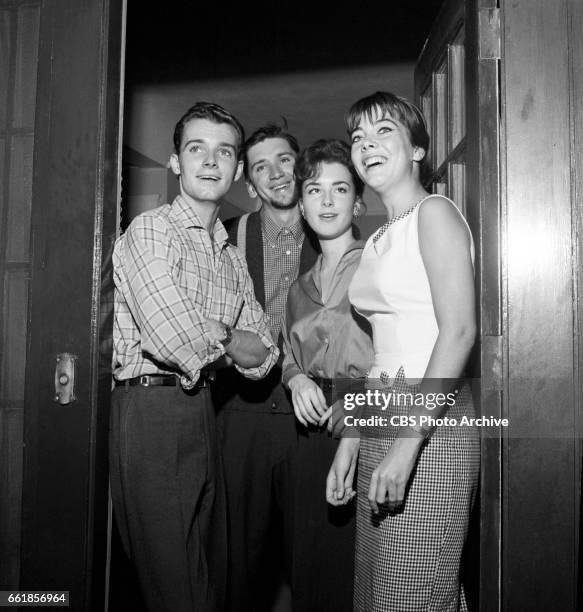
<point>418,154</point>
<point>356,209</point>
<point>302,211</point>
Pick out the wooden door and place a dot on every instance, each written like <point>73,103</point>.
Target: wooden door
<point>19,29</point>
<point>520,167</point>
<point>60,301</point>
<point>456,85</point>
<point>541,78</point>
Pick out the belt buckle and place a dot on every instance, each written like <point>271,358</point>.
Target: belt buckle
<point>206,378</point>
<point>144,380</point>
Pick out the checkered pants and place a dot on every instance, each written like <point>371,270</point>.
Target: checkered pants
<point>409,561</point>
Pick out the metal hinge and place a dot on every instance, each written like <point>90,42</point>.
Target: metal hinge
<point>489,34</point>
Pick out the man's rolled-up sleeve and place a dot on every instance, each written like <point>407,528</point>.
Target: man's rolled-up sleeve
<point>253,319</point>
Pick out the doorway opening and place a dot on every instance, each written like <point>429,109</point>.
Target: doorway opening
<point>308,65</point>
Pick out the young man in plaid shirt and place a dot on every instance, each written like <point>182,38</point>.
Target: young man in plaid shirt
<point>183,300</point>
<point>256,419</point>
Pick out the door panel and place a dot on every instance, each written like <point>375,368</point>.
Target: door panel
<point>542,470</point>
<point>524,71</point>
<point>19,27</point>
<point>74,216</point>
<point>457,85</point>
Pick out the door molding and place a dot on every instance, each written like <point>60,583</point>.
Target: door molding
<point>74,219</point>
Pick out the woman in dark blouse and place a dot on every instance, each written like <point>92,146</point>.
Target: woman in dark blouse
<point>326,345</point>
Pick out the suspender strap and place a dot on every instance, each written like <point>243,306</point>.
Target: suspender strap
<point>242,232</point>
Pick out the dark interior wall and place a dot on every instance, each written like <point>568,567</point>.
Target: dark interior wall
<point>189,40</point>
<point>307,64</point>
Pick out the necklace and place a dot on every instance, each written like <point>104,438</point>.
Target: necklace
<point>394,219</point>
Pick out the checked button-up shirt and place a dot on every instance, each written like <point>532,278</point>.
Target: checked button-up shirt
<point>170,276</point>
<point>282,248</point>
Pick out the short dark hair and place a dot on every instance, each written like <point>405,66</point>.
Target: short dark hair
<point>212,112</point>
<point>383,103</point>
<point>269,130</point>
<point>325,150</point>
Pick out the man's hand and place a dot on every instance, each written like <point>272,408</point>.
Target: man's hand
<point>216,330</point>
<point>340,479</point>
<point>308,400</point>
<point>245,349</point>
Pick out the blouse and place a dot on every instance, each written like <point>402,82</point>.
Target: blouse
<point>326,340</point>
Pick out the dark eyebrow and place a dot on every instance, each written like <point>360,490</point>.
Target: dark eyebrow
<point>202,141</point>
<point>259,161</point>
<point>380,120</point>
<point>191,141</point>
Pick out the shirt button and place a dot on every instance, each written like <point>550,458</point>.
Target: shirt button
<point>274,406</point>
<point>286,278</point>
<point>273,246</point>
<point>326,341</point>
<point>288,252</point>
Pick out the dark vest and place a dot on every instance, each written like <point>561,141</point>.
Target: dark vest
<point>254,250</point>
<point>232,391</point>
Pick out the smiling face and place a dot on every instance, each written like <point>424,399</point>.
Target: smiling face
<point>270,166</point>
<point>328,201</point>
<point>382,152</point>
<point>207,161</point>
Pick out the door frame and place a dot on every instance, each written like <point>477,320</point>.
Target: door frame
<point>475,21</point>
<point>74,220</point>
<point>525,180</point>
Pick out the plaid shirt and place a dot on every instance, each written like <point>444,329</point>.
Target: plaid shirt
<point>170,276</point>
<point>282,247</point>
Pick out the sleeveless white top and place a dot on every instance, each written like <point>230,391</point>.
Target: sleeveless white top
<point>391,289</point>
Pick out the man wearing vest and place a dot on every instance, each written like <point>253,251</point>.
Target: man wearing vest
<point>256,419</point>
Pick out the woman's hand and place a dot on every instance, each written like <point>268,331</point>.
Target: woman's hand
<point>388,482</point>
<point>335,417</point>
<point>340,478</point>
<point>308,400</point>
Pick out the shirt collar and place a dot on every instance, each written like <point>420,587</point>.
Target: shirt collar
<point>185,214</point>
<point>272,230</point>
<point>311,279</point>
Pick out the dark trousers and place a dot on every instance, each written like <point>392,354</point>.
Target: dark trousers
<point>324,535</point>
<point>257,451</point>
<point>168,495</point>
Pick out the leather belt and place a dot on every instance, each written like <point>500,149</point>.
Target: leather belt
<point>326,384</point>
<point>334,389</point>
<point>163,380</point>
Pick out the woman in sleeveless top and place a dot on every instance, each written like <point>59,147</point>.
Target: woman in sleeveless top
<point>327,346</point>
<point>415,285</point>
